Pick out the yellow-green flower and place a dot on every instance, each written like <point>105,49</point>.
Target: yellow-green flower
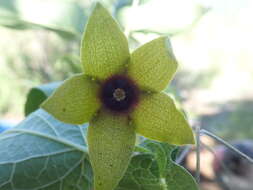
<point>119,95</point>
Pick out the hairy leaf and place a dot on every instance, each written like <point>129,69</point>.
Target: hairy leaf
<point>153,65</point>
<point>166,123</point>
<point>155,170</point>
<point>104,48</point>
<point>111,142</point>
<point>43,153</point>
<point>75,101</point>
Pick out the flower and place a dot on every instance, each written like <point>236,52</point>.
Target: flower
<point>119,95</point>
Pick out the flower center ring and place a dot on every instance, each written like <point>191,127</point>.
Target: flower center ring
<point>119,94</point>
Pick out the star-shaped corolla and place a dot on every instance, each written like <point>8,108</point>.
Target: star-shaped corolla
<point>119,95</point>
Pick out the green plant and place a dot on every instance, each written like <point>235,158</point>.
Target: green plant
<point>119,95</point>
<point>52,155</point>
<point>45,153</point>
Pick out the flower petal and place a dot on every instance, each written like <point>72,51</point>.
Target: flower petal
<point>75,101</point>
<point>153,65</point>
<point>111,142</point>
<point>157,117</point>
<point>104,49</point>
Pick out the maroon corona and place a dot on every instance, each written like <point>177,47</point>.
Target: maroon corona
<point>119,94</point>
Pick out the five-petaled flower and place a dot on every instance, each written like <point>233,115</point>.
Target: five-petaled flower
<point>119,95</point>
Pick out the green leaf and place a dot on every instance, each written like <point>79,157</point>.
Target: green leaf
<point>104,49</point>
<point>153,65</point>
<point>175,176</point>
<point>180,179</point>
<point>158,118</point>
<point>160,154</point>
<point>75,101</point>
<point>111,142</point>
<point>39,94</point>
<point>156,170</point>
<point>43,153</point>
<point>142,174</point>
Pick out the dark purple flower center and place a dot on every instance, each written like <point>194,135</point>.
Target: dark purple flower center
<point>119,94</point>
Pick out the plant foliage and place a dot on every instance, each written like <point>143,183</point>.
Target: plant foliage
<point>43,153</point>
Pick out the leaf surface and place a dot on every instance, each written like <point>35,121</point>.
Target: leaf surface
<point>104,48</point>
<point>75,101</point>
<point>153,65</point>
<point>43,153</point>
<point>155,170</point>
<point>111,141</point>
<point>157,117</point>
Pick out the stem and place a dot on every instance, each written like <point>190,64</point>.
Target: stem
<point>229,146</point>
<point>197,130</point>
<point>163,183</point>
<point>183,154</point>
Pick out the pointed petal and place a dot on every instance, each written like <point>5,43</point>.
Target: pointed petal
<point>157,117</point>
<point>75,101</point>
<point>111,142</point>
<point>153,65</point>
<point>104,49</point>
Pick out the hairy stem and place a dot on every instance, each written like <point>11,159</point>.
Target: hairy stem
<point>197,131</point>
<point>229,146</point>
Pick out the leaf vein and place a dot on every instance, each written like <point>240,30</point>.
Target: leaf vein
<point>58,140</point>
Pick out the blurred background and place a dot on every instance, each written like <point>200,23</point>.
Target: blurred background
<point>212,40</point>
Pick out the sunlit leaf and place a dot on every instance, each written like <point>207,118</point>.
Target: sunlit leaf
<point>153,65</point>
<point>40,93</point>
<point>111,142</point>
<point>104,49</point>
<point>166,123</point>
<point>75,101</point>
